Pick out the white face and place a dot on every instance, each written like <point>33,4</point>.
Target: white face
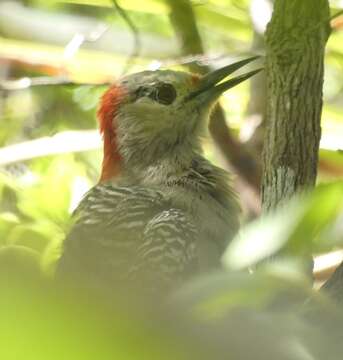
<point>155,110</point>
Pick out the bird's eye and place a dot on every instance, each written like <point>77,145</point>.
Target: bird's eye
<point>165,93</point>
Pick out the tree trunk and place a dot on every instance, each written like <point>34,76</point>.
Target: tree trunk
<point>295,43</point>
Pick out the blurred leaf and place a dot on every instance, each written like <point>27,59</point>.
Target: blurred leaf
<point>50,198</point>
<point>87,96</point>
<point>7,222</point>
<point>41,322</point>
<point>224,22</point>
<point>51,255</point>
<point>212,295</point>
<point>334,157</point>
<point>28,236</point>
<point>18,262</point>
<point>152,6</point>
<point>294,228</point>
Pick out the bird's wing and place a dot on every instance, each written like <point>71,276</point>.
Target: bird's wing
<point>109,224</point>
<point>127,233</point>
<point>167,254</point>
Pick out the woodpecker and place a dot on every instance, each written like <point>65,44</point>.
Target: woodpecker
<point>161,211</point>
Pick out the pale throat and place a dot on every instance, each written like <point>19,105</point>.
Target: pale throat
<point>158,167</point>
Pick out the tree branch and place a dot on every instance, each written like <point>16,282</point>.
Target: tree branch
<point>235,154</point>
<point>60,143</point>
<point>135,33</point>
<point>27,82</point>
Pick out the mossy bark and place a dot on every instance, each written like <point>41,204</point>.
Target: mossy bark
<point>295,44</point>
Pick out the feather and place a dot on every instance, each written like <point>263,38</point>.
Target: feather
<point>107,111</point>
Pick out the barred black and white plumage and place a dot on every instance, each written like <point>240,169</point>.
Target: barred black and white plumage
<point>153,237</point>
<point>126,234</point>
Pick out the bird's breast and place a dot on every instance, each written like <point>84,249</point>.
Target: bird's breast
<point>216,224</point>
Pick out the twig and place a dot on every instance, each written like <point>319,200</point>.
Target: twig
<point>338,13</point>
<point>203,61</point>
<point>199,61</point>
<point>328,19</point>
<point>26,82</point>
<point>235,153</point>
<point>135,33</point>
<point>325,265</point>
<point>78,39</point>
<point>63,142</point>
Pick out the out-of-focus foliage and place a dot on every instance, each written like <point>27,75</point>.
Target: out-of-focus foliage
<point>230,315</point>
<point>36,205</point>
<point>308,224</point>
<point>41,322</point>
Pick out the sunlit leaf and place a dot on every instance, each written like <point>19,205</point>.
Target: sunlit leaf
<point>53,192</point>
<point>7,222</point>
<point>18,262</point>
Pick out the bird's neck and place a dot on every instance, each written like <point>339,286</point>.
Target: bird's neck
<point>158,167</point>
<point>188,169</point>
<point>184,172</point>
<point>158,159</point>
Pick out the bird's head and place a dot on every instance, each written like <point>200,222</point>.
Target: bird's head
<point>149,115</point>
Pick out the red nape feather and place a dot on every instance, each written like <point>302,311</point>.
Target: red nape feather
<point>107,111</point>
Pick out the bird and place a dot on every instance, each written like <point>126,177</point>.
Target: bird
<point>161,212</point>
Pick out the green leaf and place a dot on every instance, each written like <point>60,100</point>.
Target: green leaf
<point>28,236</point>
<point>213,295</point>
<point>8,221</point>
<point>19,262</point>
<point>222,21</point>
<point>296,228</point>
<point>50,197</point>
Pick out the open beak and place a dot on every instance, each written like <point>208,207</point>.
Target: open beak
<point>209,87</point>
